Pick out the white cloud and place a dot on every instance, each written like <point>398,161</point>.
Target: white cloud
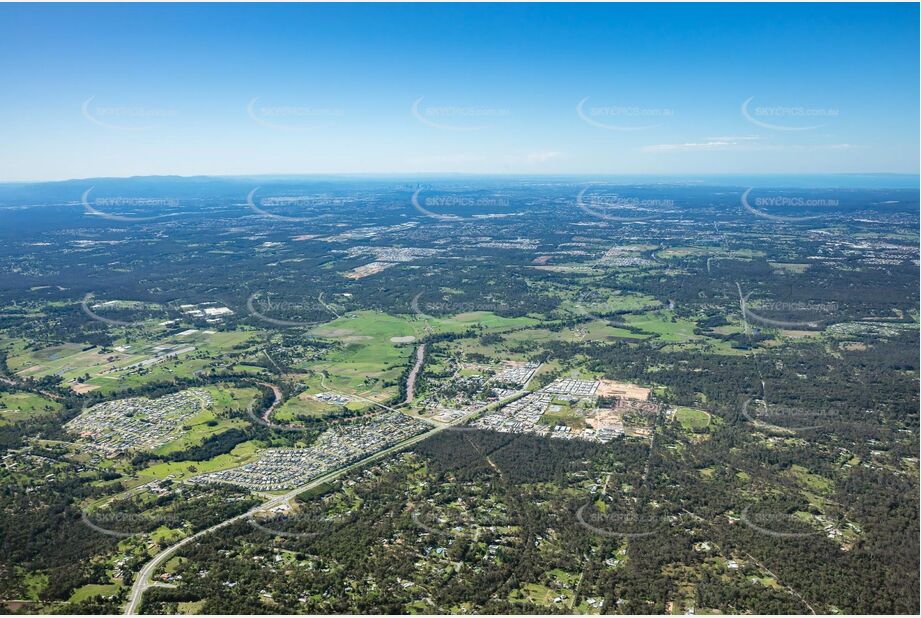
<point>748,143</point>
<point>837,147</point>
<point>691,146</point>
<point>735,138</point>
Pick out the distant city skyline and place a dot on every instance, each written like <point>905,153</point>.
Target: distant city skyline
<point>103,90</point>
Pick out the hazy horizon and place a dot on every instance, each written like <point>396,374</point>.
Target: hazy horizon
<point>458,89</point>
<point>907,180</point>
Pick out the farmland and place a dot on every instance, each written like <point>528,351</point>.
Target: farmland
<point>657,417</point>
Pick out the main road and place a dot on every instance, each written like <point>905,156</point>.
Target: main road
<point>142,581</point>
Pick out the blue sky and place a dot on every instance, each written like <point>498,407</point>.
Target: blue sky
<point>102,90</point>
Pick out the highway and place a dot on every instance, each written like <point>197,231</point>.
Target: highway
<point>142,581</point>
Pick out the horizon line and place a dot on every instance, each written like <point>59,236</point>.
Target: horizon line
<point>404,175</point>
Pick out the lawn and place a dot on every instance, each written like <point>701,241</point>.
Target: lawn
<point>111,369</point>
<point>242,453</point>
<point>809,480</point>
<point>566,415</point>
<point>19,406</point>
<point>208,422</point>
<point>89,591</point>
<point>304,405</point>
<point>535,594</point>
<point>668,327</point>
<point>692,419</point>
<point>367,357</point>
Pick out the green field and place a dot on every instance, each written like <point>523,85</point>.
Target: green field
<point>19,406</point>
<point>366,358</point>
<point>485,319</point>
<point>209,422</point>
<point>566,415</point>
<point>665,325</point>
<point>692,419</point>
<point>560,593</point>
<point>369,362</point>
<point>303,406</point>
<point>595,330</point>
<point>242,453</point>
<point>112,369</point>
<point>810,481</point>
<point>678,252</point>
<point>94,590</point>
<point>600,302</point>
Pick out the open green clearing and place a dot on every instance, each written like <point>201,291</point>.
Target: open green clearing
<point>302,406</point>
<point>371,357</point>
<point>367,361</point>
<point>561,413</point>
<point>89,591</point>
<point>810,481</point>
<point>19,406</point>
<point>665,324</point>
<point>210,422</point>
<point>692,419</point>
<point>115,368</point>
<point>242,453</point>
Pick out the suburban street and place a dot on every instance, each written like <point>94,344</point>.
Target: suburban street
<point>142,582</point>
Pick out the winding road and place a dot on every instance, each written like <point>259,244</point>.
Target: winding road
<point>142,581</point>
